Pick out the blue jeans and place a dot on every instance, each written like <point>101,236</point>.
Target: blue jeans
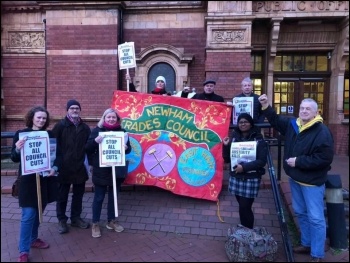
<point>308,205</point>
<point>29,228</point>
<point>100,192</point>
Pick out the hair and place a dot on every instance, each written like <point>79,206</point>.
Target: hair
<point>102,120</point>
<point>313,103</point>
<point>247,79</point>
<point>30,116</point>
<point>247,117</point>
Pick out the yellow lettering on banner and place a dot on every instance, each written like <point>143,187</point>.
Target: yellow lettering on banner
<point>169,112</point>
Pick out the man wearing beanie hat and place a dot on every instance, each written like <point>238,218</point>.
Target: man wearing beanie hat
<point>160,86</point>
<point>71,134</point>
<point>72,103</point>
<point>208,93</point>
<point>246,171</point>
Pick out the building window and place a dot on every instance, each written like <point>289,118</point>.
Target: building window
<point>257,63</point>
<point>301,63</point>
<point>257,86</point>
<point>257,75</point>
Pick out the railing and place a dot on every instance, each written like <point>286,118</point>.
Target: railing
<point>278,203</point>
<point>6,149</point>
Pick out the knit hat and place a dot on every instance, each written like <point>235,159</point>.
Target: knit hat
<point>247,117</point>
<point>161,78</point>
<point>208,81</point>
<point>71,103</point>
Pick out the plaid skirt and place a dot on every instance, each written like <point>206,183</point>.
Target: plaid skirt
<point>248,188</point>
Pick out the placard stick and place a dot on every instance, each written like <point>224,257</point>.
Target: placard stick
<point>38,192</point>
<point>115,192</point>
<point>127,81</point>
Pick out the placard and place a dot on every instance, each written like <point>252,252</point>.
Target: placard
<point>111,149</point>
<point>242,105</point>
<point>242,152</point>
<point>126,55</point>
<point>35,154</point>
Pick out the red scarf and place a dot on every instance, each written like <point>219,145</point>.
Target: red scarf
<point>157,90</point>
<point>111,127</point>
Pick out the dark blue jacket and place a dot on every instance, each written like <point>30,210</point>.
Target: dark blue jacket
<point>313,147</point>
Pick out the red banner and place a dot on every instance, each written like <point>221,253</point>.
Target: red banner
<point>176,142</point>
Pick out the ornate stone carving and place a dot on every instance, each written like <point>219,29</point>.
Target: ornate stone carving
<point>230,36</point>
<point>26,40</point>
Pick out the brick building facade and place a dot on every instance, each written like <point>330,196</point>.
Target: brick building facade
<point>52,51</point>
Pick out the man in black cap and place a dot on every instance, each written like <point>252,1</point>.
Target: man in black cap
<point>72,134</point>
<point>208,93</point>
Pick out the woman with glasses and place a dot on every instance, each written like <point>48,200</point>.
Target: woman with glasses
<point>247,161</point>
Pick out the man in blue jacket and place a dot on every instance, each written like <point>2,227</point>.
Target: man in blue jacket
<point>308,154</point>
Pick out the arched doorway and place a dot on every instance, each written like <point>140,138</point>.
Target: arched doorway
<point>162,60</point>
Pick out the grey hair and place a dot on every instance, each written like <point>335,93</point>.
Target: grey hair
<point>313,103</point>
<point>101,121</point>
<point>247,79</point>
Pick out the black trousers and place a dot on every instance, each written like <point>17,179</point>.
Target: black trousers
<point>246,214</point>
<point>76,204</point>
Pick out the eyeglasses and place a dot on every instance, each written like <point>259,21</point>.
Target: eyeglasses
<point>243,122</point>
<point>74,108</point>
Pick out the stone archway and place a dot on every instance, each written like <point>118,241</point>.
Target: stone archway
<point>154,54</point>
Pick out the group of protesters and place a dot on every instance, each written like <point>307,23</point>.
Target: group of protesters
<point>308,154</point>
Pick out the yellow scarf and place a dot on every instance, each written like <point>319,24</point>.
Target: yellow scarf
<point>301,127</point>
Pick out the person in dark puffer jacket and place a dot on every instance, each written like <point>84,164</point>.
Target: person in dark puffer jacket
<point>245,177</point>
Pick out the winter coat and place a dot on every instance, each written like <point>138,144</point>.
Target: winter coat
<point>209,97</point>
<point>313,149</point>
<point>253,169</point>
<point>102,175</point>
<point>71,140</point>
<point>258,114</point>
<point>27,195</point>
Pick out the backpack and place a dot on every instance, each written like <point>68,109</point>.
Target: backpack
<point>250,245</point>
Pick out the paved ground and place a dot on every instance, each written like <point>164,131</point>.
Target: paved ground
<point>159,226</point>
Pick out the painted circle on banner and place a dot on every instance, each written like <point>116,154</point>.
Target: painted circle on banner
<point>196,166</point>
<point>159,159</point>
<point>135,156</point>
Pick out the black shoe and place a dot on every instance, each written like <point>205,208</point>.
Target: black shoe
<point>62,227</point>
<point>78,222</point>
<point>313,259</point>
<point>301,250</point>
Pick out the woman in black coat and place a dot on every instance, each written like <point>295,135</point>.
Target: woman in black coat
<point>102,176</point>
<point>245,176</point>
<point>37,119</point>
